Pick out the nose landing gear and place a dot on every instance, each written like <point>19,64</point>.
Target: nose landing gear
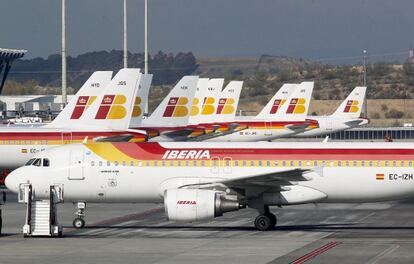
<point>79,221</point>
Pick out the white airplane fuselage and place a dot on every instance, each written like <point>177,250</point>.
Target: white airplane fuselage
<point>331,124</point>
<point>142,172</point>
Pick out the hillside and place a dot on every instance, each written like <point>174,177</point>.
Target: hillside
<point>390,85</point>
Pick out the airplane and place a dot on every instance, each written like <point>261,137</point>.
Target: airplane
<point>346,116</point>
<point>288,119</point>
<point>199,181</point>
<point>105,118</point>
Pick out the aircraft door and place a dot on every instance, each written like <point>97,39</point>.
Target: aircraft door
<point>215,165</point>
<point>66,137</point>
<point>329,124</point>
<point>227,165</point>
<point>76,165</point>
<point>268,129</point>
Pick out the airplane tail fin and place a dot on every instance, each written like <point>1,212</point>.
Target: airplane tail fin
<point>82,100</point>
<point>351,107</point>
<point>202,86</point>
<point>277,101</point>
<point>141,98</point>
<point>113,107</point>
<point>210,101</point>
<point>228,102</point>
<point>297,104</point>
<point>174,110</point>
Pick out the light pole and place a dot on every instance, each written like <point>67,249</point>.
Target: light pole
<point>365,84</point>
<point>146,37</point>
<point>64,99</point>
<point>125,35</point>
<point>146,45</point>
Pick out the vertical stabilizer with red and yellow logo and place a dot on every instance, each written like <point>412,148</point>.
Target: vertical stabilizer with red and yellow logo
<point>209,102</point>
<point>201,90</point>
<point>228,102</point>
<point>297,104</point>
<point>82,100</point>
<point>352,106</point>
<point>112,109</point>
<point>141,99</point>
<point>175,109</point>
<point>277,101</point>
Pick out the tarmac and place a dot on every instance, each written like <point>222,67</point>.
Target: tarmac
<point>139,233</point>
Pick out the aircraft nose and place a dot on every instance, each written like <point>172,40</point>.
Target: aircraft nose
<point>13,180</point>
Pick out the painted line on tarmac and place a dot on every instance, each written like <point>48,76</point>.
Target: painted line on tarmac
<point>383,254</point>
<point>118,219</point>
<point>316,252</point>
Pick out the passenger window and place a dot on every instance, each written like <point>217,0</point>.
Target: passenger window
<point>46,162</point>
<point>37,162</point>
<point>92,163</point>
<point>100,163</point>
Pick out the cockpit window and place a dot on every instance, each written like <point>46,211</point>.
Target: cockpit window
<point>29,162</point>
<point>37,162</point>
<point>46,162</point>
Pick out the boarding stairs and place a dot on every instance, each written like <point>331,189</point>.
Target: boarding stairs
<point>41,215</point>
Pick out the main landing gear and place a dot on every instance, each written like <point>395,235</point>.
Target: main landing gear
<point>79,222</point>
<point>265,220</point>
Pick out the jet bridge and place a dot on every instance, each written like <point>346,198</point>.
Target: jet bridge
<point>41,215</point>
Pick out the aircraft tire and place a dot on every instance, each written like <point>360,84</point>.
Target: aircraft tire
<point>78,223</point>
<point>263,222</point>
<point>273,218</point>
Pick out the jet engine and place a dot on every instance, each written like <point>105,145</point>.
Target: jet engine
<point>195,205</point>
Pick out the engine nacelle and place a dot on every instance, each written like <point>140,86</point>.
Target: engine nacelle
<point>195,205</point>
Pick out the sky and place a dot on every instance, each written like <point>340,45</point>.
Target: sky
<point>315,29</point>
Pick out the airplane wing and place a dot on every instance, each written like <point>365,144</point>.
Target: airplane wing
<point>354,123</point>
<point>298,127</point>
<point>231,129</point>
<point>272,179</point>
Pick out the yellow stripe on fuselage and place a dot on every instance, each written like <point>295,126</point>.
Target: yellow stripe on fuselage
<point>109,152</point>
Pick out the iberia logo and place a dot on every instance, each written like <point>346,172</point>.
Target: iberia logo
<point>225,106</point>
<point>81,106</point>
<point>296,106</point>
<point>195,110</point>
<point>351,106</point>
<point>137,111</point>
<point>379,176</point>
<point>208,106</point>
<point>276,105</point>
<point>112,107</point>
<point>176,107</point>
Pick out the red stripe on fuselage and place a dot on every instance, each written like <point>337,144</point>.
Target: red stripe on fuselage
<point>154,151</point>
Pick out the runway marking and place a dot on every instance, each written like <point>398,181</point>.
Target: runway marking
<point>383,254</point>
<point>365,217</point>
<point>316,252</point>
